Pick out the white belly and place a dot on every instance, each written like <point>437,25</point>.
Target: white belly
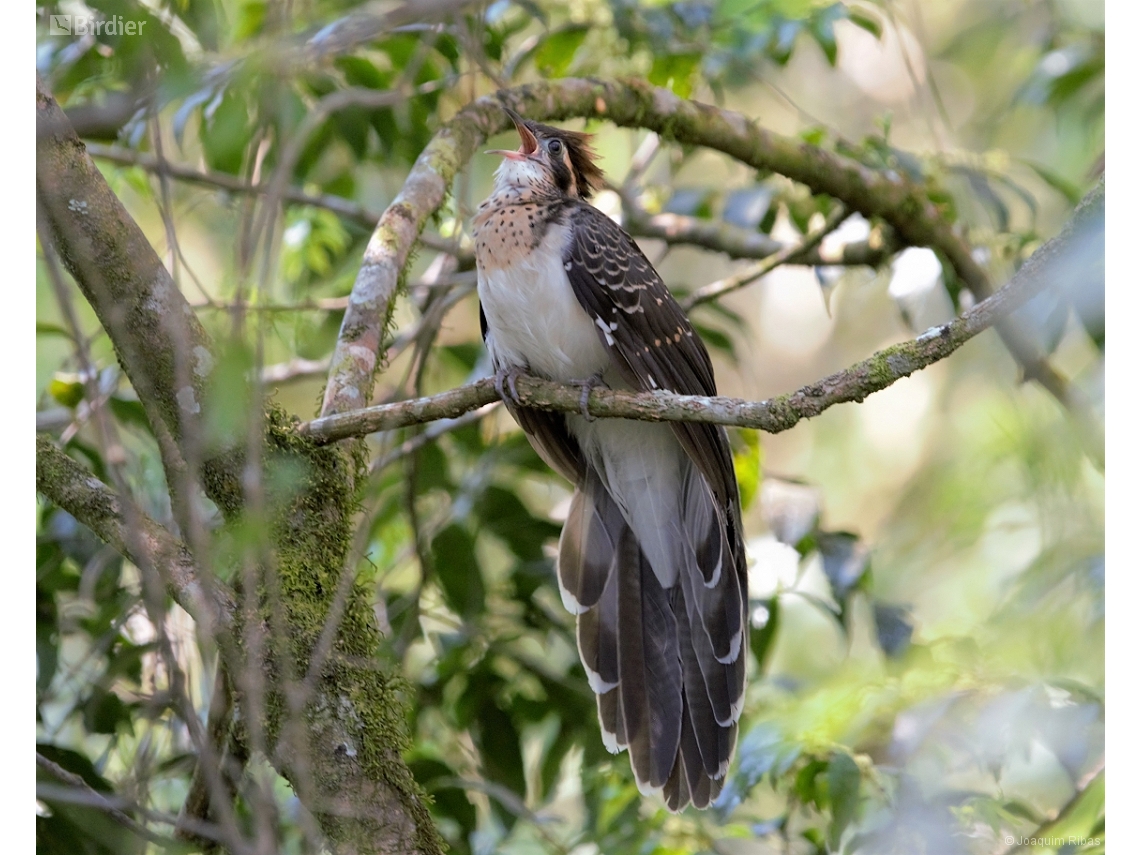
<point>535,321</point>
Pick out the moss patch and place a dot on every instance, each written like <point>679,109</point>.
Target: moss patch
<point>356,720</point>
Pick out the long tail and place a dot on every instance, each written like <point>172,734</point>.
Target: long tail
<point>667,661</point>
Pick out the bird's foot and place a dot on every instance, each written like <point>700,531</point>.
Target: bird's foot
<point>588,385</point>
<point>506,380</point>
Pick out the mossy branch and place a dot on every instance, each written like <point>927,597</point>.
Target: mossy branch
<point>347,739</point>
<point>887,195</point>
<point>138,537</point>
<point>162,347</point>
<point>674,229</point>
<point>778,414</point>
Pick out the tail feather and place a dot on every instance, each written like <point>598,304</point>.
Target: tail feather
<point>649,667</point>
<point>666,659</point>
<point>598,636</point>
<point>676,789</point>
<point>612,721</point>
<point>586,548</point>
<point>716,591</point>
<point>709,730</point>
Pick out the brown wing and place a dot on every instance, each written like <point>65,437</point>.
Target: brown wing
<point>653,344</point>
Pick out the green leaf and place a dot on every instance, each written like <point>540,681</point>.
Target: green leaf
<point>675,71</point>
<point>843,778</point>
<point>66,392</point>
<point>501,751</point>
<point>823,30</point>
<point>455,564</point>
<point>805,786</point>
<point>130,412</point>
<point>502,513</point>
<point>352,124</point>
<point>360,72</point>
<point>747,462</point>
<point>864,20</point>
<point>556,52</point>
<point>1062,185</point>
<point>226,132</point>
<point>105,712</point>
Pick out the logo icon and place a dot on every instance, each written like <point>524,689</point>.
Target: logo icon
<point>59,25</point>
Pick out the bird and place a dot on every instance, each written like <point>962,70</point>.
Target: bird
<point>651,558</point>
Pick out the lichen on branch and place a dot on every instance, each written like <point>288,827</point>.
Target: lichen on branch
<point>891,197</point>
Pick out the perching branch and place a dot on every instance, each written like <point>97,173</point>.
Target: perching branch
<point>889,196</point>
<point>773,416</point>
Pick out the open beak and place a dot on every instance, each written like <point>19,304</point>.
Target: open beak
<point>529,141</point>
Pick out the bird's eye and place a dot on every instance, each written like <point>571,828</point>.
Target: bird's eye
<point>554,147</point>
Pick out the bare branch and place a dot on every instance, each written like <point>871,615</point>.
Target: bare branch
<point>78,791</point>
<point>232,184</point>
<point>144,541</point>
<point>773,416</point>
<point>788,254</point>
<point>344,35</point>
<point>735,242</point>
<point>903,204</point>
<point>156,336</point>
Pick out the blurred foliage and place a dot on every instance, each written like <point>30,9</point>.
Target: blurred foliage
<point>926,676</point>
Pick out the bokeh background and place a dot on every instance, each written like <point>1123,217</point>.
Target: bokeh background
<point>927,574</point>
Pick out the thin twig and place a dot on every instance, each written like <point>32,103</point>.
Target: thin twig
<point>1046,829</point>
<point>340,206</point>
<point>775,415</point>
<point>737,242</point>
<point>96,799</point>
<point>716,290</point>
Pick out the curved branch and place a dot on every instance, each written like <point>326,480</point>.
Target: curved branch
<point>773,416</point>
<point>674,229</point>
<point>737,242</point>
<point>163,348</point>
<point>142,540</point>
<point>901,203</point>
